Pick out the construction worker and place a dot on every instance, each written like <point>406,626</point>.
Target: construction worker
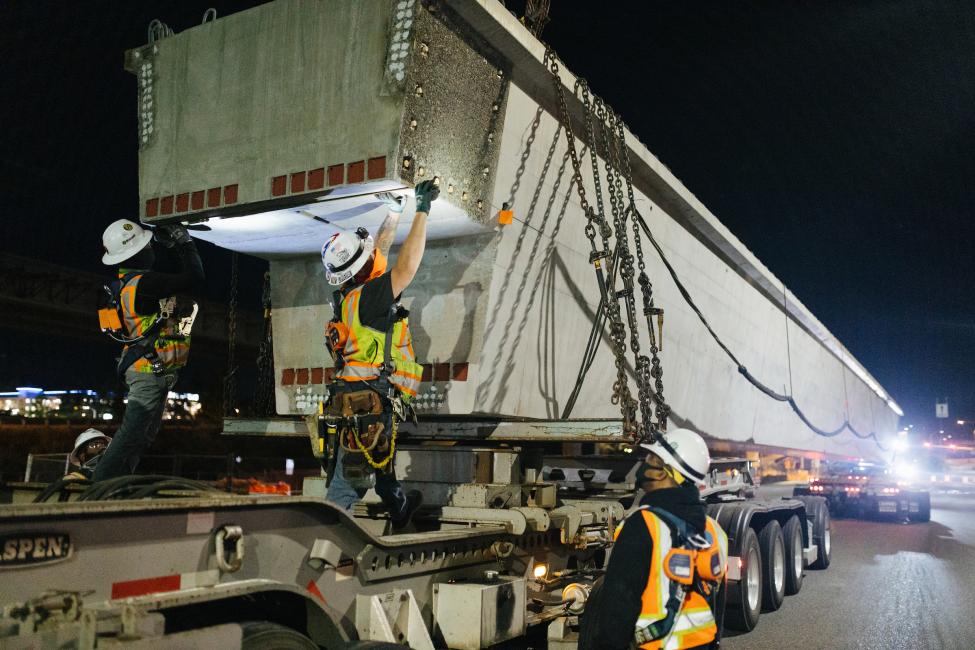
<point>369,338</point>
<point>88,449</point>
<point>156,326</point>
<point>668,562</point>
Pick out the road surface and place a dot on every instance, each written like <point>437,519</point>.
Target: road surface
<point>890,585</point>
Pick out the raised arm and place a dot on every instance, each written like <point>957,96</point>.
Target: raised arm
<point>411,252</point>
<point>387,231</point>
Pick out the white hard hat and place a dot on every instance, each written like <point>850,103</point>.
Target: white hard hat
<point>84,437</point>
<point>123,239</point>
<point>685,451</point>
<point>344,255</point>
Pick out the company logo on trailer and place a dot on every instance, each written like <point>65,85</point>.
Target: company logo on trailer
<point>34,548</point>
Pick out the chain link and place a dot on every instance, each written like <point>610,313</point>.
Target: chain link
<point>230,379</point>
<point>610,142</point>
<point>264,391</point>
<point>596,221</point>
<point>655,371</point>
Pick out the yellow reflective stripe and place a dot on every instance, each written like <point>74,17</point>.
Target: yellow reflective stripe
<point>358,372</point>
<point>172,353</point>
<point>657,593</point>
<point>365,348</point>
<point>721,539</point>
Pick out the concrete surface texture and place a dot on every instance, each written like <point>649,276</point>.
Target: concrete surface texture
<point>284,87</point>
<point>890,585</point>
<point>513,305</point>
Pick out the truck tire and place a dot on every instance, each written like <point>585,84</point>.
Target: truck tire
<point>818,513</point>
<point>745,598</point>
<point>794,556</point>
<point>773,566</point>
<point>264,635</point>
<point>923,508</point>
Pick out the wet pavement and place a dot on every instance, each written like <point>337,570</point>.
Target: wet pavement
<point>890,585</point>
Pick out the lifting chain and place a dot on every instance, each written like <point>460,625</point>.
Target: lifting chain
<point>264,391</point>
<point>656,372</point>
<point>610,142</point>
<point>597,221</point>
<point>230,379</point>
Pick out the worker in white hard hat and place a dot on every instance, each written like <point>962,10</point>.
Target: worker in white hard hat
<point>88,449</point>
<point>668,560</point>
<point>149,313</point>
<point>376,371</point>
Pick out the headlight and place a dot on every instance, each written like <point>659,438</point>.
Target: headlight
<point>905,471</point>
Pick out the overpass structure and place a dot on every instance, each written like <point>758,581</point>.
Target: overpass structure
<point>39,296</point>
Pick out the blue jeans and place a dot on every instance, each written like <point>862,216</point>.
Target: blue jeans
<point>143,415</point>
<point>344,493</point>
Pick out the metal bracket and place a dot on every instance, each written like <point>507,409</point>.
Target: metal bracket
<point>393,617</point>
<point>232,561</point>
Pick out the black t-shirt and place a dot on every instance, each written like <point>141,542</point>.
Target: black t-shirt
<point>376,302</point>
<point>157,285</point>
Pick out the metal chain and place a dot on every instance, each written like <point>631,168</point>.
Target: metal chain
<point>230,379</point>
<point>614,183</point>
<point>648,370</point>
<point>594,220</point>
<point>662,410</point>
<point>264,391</point>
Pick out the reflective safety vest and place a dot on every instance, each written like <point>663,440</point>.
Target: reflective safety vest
<point>365,346</point>
<point>171,351</point>
<point>693,623</point>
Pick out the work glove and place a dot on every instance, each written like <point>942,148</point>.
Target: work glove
<point>426,193</point>
<point>172,235</point>
<point>393,203</point>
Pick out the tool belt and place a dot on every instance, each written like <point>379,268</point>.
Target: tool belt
<point>363,422</point>
<point>362,418</point>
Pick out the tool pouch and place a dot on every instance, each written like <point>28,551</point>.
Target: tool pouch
<point>359,416</point>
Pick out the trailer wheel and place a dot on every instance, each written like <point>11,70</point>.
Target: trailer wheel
<point>794,557</point>
<point>264,635</point>
<point>923,508</point>
<point>819,514</point>
<point>745,597</point>
<point>773,566</point>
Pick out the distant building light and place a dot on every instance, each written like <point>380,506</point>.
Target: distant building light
<point>107,416</point>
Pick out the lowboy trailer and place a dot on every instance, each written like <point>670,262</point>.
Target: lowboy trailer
<point>216,570</point>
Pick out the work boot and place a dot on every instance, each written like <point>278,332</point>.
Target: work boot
<point>413,501</point>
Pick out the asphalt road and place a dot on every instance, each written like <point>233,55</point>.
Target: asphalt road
<point>890,585</point>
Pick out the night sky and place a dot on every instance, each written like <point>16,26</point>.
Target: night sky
<point>835,139</point>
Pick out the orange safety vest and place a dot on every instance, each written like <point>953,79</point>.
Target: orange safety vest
<point>694,624</point>
<point>365,346</point>
<point>172,351</point>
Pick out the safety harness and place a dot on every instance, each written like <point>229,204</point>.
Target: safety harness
<point>692,564</point>
<point>355,419</point>
<point>111,317</point>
